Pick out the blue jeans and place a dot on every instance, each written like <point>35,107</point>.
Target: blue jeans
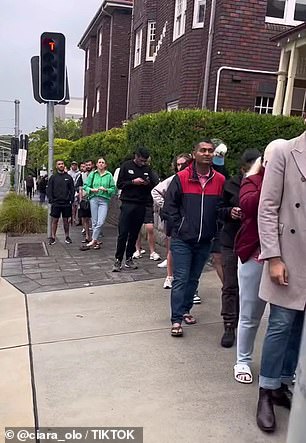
<point>98,208</point>
<point>281,347</point>
<point>188,263</point>
<point>251,308</point>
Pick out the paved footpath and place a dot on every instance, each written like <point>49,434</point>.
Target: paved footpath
<point>67,267</point>
<point>101,354</point>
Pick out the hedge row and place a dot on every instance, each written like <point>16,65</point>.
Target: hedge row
<point>166,134</point>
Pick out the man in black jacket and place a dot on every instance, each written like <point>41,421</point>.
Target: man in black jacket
<point>60,192</point>
<point>191,209</point>
<point>136,181</point>
<point>230,215</point>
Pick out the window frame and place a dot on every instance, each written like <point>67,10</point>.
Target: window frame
<point>196,6</point>
<point>261,107</point>
<point>97,100</point>
<point>138,48</point>
<point>172,106</point>
<point>149,57</point>
<point>85,107</point>
<point>99,51</point>
<point>177,33</point>
<point>288,18</point>
<point>87,52</point>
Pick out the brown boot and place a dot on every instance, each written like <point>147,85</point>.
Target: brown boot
<point>265,413</point>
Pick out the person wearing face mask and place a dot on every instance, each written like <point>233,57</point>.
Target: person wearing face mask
<point>99,187</point>
<point>158,193</point>
<point>230,216</point>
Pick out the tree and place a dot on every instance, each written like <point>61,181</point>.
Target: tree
<point>69,130</point>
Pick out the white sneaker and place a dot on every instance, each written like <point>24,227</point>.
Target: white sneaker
<point>163,264</point>
<point>168,282</point>
<point>154,256</point>
<point>142,251</point>
<point>137,254</point>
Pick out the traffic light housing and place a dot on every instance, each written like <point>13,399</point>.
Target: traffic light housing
<point>52,73</point>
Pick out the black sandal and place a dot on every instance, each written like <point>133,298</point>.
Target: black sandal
<point>177,331</point>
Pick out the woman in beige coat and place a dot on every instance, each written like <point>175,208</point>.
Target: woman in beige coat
<point>282,231</point>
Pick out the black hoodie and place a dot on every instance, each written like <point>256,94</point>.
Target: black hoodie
<point>230,200</point>
<point>60,190</point>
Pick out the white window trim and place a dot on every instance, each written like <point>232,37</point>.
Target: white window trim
<point>87,59</point>
<point>151,23</point>
<point>265,108</point>
<point>97,103</point>
<point>172,106</point>
<point>85,108</point>
<point>288,16</point>
<point>196,7</point>
<point>177,34</point>
<point>138,48</point>
<point>100,42</point>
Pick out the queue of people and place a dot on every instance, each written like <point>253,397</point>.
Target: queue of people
<point>252,222</point>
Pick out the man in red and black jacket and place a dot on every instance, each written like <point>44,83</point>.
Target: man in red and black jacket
<point>191,211</point>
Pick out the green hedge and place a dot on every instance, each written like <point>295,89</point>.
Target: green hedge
<point>110,144</point>
<point>169,133</point>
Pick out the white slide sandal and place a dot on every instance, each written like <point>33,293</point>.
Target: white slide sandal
<point>243,374</point>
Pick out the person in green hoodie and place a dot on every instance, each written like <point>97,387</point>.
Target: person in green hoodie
<point>100,187</point>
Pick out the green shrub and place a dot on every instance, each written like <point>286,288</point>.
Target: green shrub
<point>166,134</point>
<point>21,216</point>
<point>109,144</point>
<point>169,133</point>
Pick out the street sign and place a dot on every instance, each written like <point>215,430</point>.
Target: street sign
<point>22,157</point>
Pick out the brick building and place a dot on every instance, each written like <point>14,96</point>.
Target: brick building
<point>210,54</point>
<point>107,47</point>
<point>205,51</point>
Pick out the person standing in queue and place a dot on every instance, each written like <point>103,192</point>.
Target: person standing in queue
<point>135,181</point>
<point>191,211</point>
<point>60,193</point>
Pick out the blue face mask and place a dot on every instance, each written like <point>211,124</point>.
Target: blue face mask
<point>218,161</point>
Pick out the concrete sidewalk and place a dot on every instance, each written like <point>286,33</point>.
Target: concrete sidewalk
<point>103,356</point>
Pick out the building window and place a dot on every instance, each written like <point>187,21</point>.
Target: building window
<point>286,12</point>
<point>179,18</point>
<point>85,108</point>
<point>199,13</point>
<point>100,43</point>
<point>97,108</point>
<point>87,59</point>
<point>173,106</point>
<point>264,105</point>
<point>138,43</point>
<point>151,37</point>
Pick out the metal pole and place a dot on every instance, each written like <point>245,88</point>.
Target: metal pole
<point>17,114</point>
<point>50,125</point>
<point>297,422</point>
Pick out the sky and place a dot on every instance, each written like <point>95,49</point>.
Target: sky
<point>21,24</point>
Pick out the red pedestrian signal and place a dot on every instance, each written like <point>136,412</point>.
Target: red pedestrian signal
<point>52,78</point>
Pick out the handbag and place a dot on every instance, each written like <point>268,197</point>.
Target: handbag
<point>85,205</point>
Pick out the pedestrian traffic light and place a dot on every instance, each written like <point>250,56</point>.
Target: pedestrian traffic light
<point>52,75</point>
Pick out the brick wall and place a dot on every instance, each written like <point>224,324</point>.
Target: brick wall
<point>242,40</point>
<point>97,76</point>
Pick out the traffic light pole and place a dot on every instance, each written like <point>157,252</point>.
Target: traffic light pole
<point>50,125</point>
<point>17,111</point>
<point>297,423</point>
